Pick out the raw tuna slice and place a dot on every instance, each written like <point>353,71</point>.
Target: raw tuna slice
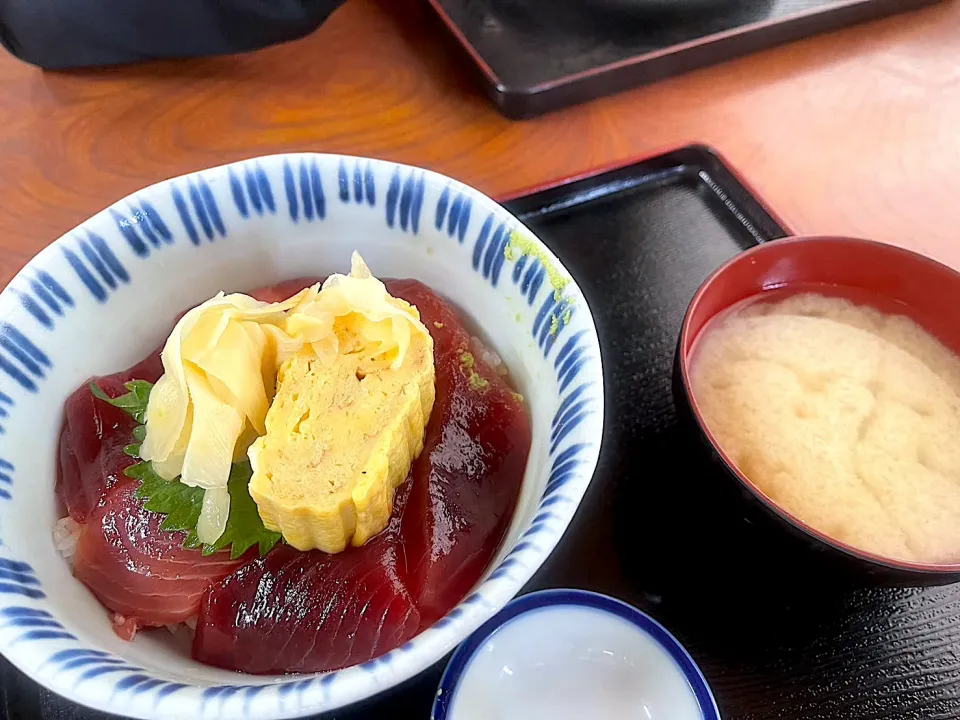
<point>467,479</point>
<point>294,611</point>
<point>140,572</point>
<point>94,435</point>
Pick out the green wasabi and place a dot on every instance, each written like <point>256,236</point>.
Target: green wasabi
<point>520,246</point>
<point>554,325</point>
<point>478,382</point>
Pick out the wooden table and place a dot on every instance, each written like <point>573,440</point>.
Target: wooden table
<point>852,133</point>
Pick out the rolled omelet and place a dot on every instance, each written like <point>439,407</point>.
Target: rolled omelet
<point>343,430</point>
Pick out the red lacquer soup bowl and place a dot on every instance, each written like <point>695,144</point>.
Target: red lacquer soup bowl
<point>888,278</point>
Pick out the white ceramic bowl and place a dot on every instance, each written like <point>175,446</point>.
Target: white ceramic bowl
<point>102,296</point>
<point>571,654</point>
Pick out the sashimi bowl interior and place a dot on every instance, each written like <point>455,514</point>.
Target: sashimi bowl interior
<point>278,436</point>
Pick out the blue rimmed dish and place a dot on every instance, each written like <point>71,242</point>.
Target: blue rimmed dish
<point>102,296</point>
<point>571,654</point>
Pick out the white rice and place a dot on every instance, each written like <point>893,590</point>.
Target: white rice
<point>488,356</point>
<point>65,535</point>
<point>186,628</point>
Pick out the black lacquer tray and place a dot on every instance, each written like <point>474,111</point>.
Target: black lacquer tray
<point>539,55</point>
<point>776,634</point>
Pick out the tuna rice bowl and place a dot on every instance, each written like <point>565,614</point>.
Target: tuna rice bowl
<point>300,480</point>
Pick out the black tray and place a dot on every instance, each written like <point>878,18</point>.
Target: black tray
<point>775,637</point>
<point>540,55</point>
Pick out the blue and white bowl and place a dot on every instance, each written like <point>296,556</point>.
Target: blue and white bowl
<point>105,294</point>
<point>571,654</point>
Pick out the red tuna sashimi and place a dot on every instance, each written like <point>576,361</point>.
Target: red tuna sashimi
<point>467,479</point>
<point>294,611</point>
<point>142,573</point>
<point>92,440</point>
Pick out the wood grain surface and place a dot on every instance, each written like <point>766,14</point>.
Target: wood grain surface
<point>853,132</point>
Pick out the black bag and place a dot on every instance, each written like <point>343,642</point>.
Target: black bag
<point>57,34</point>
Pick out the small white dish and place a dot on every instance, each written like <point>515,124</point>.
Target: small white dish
<point>571,654</point>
